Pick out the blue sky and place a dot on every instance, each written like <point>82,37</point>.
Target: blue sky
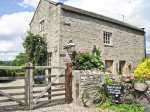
<point>15,16</point>
<point>12,6</point>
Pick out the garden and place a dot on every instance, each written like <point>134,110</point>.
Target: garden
<point>128,93</point>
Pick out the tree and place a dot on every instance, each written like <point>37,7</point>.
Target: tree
<point>20,60</point>
<point>36,49</point>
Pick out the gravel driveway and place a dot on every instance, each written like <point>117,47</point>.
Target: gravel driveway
<point>63,108</point>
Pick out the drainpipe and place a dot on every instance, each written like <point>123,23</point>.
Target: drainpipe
<point>144,43</point>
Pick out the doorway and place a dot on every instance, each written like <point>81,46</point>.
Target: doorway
<point>122,66</point>
<point>109,66</point>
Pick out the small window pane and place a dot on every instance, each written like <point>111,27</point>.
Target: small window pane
<point>107,38</point>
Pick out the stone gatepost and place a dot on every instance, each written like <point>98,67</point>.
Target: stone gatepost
<point>81,79</point>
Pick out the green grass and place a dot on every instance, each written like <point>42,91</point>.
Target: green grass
<point>121,107</point>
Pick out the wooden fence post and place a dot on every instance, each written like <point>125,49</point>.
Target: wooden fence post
<point>29,85</point>
<point>68,83</point>
<point>48,80</point>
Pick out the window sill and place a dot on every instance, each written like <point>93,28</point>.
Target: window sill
<point>107,45</point>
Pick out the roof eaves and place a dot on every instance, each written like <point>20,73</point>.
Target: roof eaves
<point>101,17</point>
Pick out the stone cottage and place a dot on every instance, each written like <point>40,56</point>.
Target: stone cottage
<point>122,45</point>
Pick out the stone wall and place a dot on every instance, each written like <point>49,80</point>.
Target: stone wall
<point>85,31</point>
<point>83,79</point>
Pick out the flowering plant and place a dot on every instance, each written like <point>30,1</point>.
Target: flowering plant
<point>128,78</point>
<point>143,70</point>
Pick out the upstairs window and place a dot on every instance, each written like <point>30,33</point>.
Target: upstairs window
<point>107,37</point>
<point>42,23</point>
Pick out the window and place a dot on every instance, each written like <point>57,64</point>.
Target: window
<point>107,37</point>
<point>109,66</point>
<point>42,26</point>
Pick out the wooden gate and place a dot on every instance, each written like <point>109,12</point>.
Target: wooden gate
<point>53,90</point>
<point>12,90</point>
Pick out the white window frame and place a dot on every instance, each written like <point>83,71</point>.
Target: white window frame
<point>107,38</point>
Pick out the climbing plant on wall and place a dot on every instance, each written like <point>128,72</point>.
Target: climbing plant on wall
<point>88,61</point>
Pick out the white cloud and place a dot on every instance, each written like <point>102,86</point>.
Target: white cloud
<point>13,29</point>
<point>14,24</point>
<point>32,3</point>
<point>6,46</point>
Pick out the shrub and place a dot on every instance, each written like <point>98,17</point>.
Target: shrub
<point>7,73</point>
<point>108,80</point>
<point>143,70</point>
<point>88,61</point>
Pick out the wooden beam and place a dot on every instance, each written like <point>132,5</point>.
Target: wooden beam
<point>12,98</point>
<point>11,67</point>
<point>52,90</point>
<point>16,94</point>
<point>13,87</point>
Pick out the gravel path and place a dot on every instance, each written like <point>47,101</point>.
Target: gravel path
<point>58,108</point>
<point>64,108</point>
